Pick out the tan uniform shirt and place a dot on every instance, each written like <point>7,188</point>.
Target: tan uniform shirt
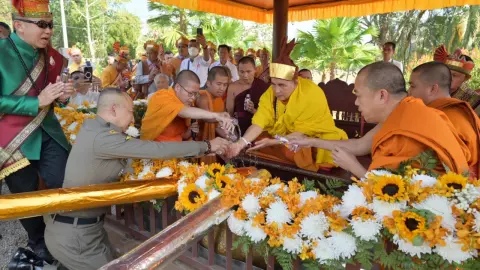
<point>100,152</point>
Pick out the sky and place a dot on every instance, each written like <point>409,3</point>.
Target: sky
<point>140,8</point>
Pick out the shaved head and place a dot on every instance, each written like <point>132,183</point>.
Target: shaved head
<point>109,97</point>
<point>435,73</point>
<point>186,76</point>
<point>381,75</point>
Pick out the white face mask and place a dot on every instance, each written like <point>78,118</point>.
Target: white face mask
<point>193,51</point>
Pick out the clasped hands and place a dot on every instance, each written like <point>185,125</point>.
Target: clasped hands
<point>59,90</point>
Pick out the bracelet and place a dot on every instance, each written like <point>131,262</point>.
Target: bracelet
<point>247,143</point>
<point>209,147</point>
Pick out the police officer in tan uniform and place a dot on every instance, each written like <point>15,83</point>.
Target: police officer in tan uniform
<point>77,239</point>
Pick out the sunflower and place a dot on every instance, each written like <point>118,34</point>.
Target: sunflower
<point>390,188</point>
<point>215,169</point>
<point>221,181</point>
<point>452,181</point>
<point>409,224</point>
<point>192,197</point>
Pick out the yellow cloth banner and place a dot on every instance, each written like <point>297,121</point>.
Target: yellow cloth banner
<point>37,203</point>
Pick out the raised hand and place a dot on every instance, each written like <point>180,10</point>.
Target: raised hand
<point>49,94</point>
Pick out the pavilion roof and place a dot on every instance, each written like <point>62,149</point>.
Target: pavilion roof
<point>261,11</point>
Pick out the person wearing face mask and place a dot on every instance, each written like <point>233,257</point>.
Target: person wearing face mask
<point>169,112</point>
<point>197,63</point>
<point>291,107</point>
<point>238,105</point>
<point>32,142</point>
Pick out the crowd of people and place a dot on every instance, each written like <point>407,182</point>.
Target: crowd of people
<point>193,104</point>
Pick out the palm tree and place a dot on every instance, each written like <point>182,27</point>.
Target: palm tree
<point>336,42</point>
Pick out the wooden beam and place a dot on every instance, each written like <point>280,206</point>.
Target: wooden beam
<point>280,24</point>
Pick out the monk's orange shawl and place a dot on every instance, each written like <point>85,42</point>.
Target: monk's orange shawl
<point>160,122</point>
<point>413,128</point>
<point>207,129</point>
<point>467,124</point>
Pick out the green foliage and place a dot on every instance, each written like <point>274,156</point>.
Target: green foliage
<point>309,184</point>
<point>5,15</point>
<point>311,264</point>
<point>283,258</point>
<point>426,161</point>
<point>331,186</point>
<point>157,205</point>
<point>244,243</point>
<point>470,264</point>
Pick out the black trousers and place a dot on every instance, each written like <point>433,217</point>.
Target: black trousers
<point>51,167</point>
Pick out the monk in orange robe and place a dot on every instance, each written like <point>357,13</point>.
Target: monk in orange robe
<point>406,127</point>
<point>169,111</point>
<point>431,83</point>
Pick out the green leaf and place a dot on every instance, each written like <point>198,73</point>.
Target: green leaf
<point>283,258</point>
<point>309,184</point>
<point>418,241</point>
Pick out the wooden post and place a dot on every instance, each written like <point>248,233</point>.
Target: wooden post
<point>280,24</point>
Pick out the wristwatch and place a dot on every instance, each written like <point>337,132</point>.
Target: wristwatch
<point>209,147</point>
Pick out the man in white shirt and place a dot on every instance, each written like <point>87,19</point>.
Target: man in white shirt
<point>388,52</point>
<point>224,54</point>
<point>197,63</point>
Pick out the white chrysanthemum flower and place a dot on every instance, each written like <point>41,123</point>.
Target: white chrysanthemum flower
<point>180,186</point>
<point>144,172</point>
<point>184,163</point>
<point>410,249</point>
<point>305,196</point>
<point>440,206</point>
<point>251,205</point>
<point>255,233</point>
<point>213,194</point>
<point>132,132</point>
<point>278,212</point>
<point>164,172</point>
<point>271,189</point>
<point>384,209</point>
<point>202,182</point>
<point>230,175</point>
<point>73,137</point>
<point>293,245</point>
<point>236,225</point>
<point>254,180</point>
<point>476,222</point>
<point>137,102</point>
<point>452,251</point>
<point>153,201</point>
<point>466,196</point>
<point>63,122</point>
<point>92,105</point>
<point>344,244</point>
<point>351,199</point>
<point>366,230</point>
<point>324,251</point>
<point>314,226</point>
<point>427,181</point>
<point>72,126</point>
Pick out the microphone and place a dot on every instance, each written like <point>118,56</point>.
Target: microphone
<point>194,134</point>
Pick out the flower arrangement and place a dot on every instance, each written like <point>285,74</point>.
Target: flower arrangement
<point>71,120</point>
<point>408,219</point>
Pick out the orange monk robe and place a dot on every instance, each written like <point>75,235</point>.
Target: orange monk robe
<point>215,104</point>
<point>175,62</point>
<point>208,129</point>
<point>161,121</point>
<point>467,124</point>
<point>413,128</point>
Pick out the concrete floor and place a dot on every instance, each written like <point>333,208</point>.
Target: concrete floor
<point>13,236</point>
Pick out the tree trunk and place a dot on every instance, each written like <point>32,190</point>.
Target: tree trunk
<point>409,36</point>
<point>89,34</point>
<point>324,76</point>
<point>333,66</point>
<point>183,24</point>
<point>384,21</point>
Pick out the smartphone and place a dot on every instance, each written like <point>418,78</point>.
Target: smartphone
<point>200,31</point>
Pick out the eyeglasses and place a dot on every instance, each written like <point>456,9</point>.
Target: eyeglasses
<point>42,24</point>
<point>190,94</point>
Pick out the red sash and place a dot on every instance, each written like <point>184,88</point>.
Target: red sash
<point>17,128</point>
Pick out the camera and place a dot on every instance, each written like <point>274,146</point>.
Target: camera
<point>88,72</point>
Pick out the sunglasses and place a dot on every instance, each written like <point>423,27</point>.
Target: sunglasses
<point>42,24</point>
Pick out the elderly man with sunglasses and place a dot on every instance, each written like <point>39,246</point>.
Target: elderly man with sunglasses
<point>169,112</point>
<point>32,143</point>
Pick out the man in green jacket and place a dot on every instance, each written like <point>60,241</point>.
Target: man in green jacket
<point>32,142</point>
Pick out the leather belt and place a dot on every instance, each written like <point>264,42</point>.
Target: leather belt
<point>80,221</point>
